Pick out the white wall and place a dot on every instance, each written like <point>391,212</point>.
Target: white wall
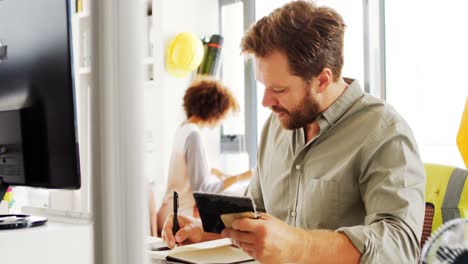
<point>172,17</point>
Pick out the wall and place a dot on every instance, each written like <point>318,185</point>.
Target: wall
<point>201,18</point>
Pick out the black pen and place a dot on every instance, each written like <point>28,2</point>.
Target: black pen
<point>175,221</point>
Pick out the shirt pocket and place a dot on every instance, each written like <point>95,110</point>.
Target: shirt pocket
<point>320,204</point>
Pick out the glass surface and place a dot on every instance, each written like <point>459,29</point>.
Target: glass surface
<point>232,74</point>
<point>232,70</point>
<point>426,57</point>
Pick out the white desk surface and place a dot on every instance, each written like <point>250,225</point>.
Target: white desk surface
<point>53,243</point>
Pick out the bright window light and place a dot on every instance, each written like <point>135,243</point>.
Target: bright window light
<point>426,61</point>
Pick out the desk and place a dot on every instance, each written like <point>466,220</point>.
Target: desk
<point>54,243</point>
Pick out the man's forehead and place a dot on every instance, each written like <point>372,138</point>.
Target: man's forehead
<point>281,79</point>
<point>271,71</point>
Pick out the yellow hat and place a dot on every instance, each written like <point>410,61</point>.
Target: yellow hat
<point>184,54</point>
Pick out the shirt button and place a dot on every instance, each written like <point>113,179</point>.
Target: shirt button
<point>298,167</point>
<point>293,214</point>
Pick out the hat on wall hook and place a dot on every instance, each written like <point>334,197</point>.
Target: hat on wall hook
<point>184,54</point>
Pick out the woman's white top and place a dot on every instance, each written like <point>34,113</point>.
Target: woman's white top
<point>188,170</point>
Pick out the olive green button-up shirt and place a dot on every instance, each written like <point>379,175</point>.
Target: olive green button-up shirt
<point>361,175</point>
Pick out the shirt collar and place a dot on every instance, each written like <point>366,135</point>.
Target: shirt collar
<point>333,113</point>
<point>349,97</point>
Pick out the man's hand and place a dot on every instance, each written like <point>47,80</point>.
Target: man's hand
<point>191,231</point>
<point>270,240</point>
<point>267,239</point>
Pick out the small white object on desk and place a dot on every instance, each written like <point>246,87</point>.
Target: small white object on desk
<point>3,207</point>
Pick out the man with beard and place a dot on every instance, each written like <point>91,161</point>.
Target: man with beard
<point>339,176</point>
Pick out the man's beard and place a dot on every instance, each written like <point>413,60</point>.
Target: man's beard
<point>305,113</point>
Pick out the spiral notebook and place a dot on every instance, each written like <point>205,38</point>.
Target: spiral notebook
<point>215,251</point>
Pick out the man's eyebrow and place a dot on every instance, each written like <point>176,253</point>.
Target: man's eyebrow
<point>278,86</point>
<point>275,86</point>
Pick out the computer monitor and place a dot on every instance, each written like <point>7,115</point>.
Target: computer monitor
<point>38,125</point>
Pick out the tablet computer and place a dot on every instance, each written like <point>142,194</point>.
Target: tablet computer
<point>218,211</point>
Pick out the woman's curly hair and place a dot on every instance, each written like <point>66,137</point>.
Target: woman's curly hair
<point>208,100</point>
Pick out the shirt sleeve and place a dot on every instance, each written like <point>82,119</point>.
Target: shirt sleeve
<point>197,165</point>
<point>392,186</point>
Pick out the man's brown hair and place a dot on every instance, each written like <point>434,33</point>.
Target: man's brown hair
<point>208,100</point>
<point>310,36</point>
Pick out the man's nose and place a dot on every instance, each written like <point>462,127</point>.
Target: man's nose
<point>268,98</point>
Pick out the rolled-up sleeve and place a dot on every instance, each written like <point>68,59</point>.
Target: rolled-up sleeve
<point>392,185</point>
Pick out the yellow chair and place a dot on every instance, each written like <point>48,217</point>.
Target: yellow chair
<point>462,137</point>
<point>446,196</point>
<point>446,191</point>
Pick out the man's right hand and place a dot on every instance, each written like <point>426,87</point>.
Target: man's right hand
<point>191,231</point>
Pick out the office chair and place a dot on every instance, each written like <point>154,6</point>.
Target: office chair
<point>446,196</point>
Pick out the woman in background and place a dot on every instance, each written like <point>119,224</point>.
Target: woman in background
<point>206,104</point>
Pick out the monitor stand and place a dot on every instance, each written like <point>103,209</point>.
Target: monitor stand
<point>15,221</point>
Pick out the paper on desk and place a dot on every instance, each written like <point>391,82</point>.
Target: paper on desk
<point>197,246</point>
<point>225,254</point>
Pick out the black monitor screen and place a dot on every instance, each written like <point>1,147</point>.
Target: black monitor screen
<point>38,138</point>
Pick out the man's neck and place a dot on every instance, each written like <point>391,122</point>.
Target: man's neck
<point>333,92</point>
<point>310,131</point>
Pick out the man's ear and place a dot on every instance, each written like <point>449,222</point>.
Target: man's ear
<point>325,78</point>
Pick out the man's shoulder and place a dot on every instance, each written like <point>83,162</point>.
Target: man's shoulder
<point>377,112</point>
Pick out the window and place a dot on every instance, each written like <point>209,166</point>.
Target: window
<point>238,135</point>
<point>232,70</point>
<point>425,62</point>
